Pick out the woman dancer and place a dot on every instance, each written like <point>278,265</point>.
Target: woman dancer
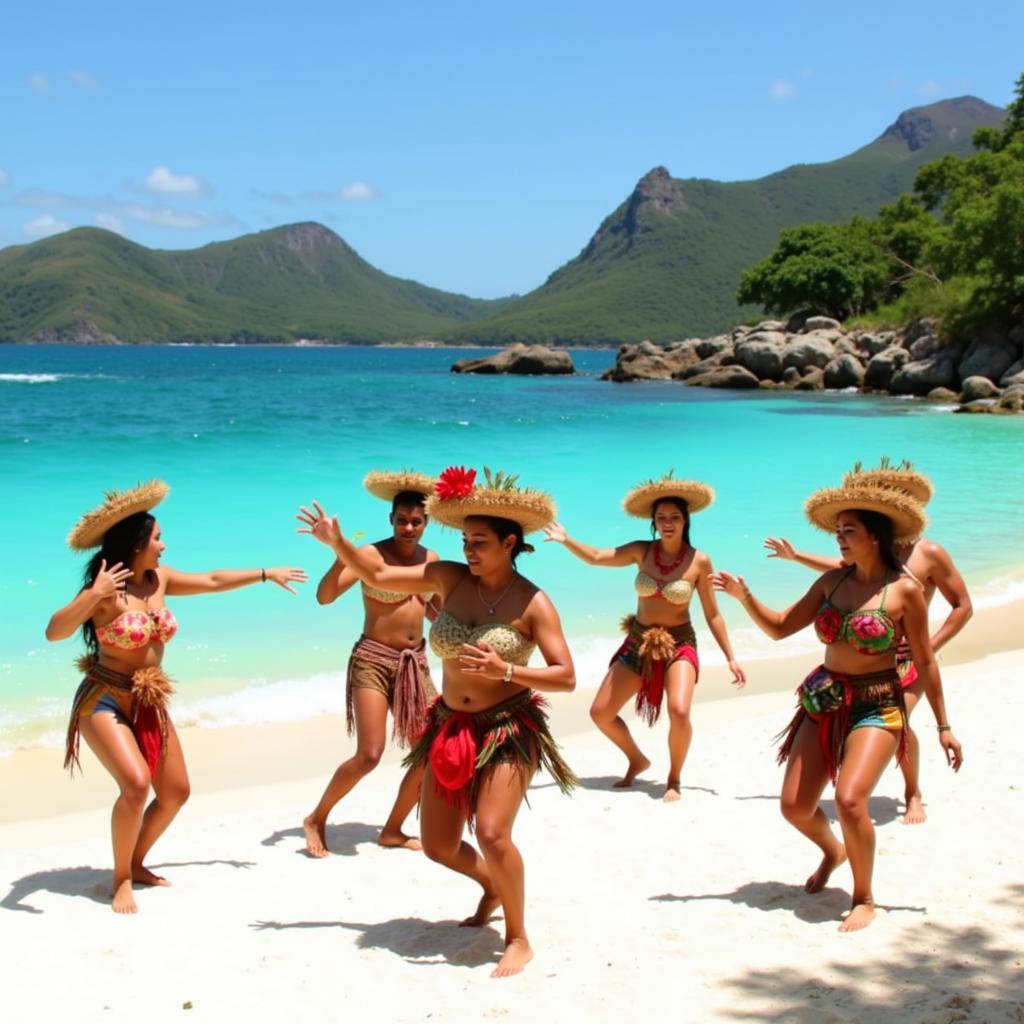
<point>488,732</point>
<point>121,705</point>
<point>388,666</point>
<point>851,719</point>
<point>931,565</point>
<point>659,654</point>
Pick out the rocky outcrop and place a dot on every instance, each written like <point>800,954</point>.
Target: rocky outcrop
<point>528,360</point>
<point>81,332</point>
<point>810,353</point>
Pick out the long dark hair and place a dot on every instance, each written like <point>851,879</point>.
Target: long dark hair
<point>679,503</point>
<point>508,528</point>
<point>879,526</point>
<point>121,543</point>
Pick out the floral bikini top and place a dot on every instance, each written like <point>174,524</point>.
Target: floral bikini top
<point>447,635</point>
<point>867,631</point>
<point>131,631</point>
<point>674,591</point>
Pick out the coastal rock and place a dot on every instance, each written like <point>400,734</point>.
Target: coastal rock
<point>1012,402</point>
<point>647,361</point>
<point>821,323</point>
<point>762,354</point>
<point>808,350</point>
<point>983,405</point>
<point>81,332</point>
<point>871,344</point>
<point>942,395</point>
<point>770,326</point>
<point>844,372</point>
<point>725,377</point>
<point>795,324</point>
<point>705,365</point>
<point>1014,375</point>
<point>790,375</point>
<point>848,346</point>
<point>812,380</point>
<point>883,366</point>
<point>977,387</point>
<point>989,358</point>
<point>921,375</point>
<point>528,360</point>
<point>712,346</point>
<point>921,339</point>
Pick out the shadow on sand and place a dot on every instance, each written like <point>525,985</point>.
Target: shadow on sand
<point>342,840</point>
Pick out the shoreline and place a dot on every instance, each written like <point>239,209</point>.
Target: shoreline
<point>236,757</point>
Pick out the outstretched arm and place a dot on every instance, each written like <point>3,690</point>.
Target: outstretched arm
<point>184,584</point>
<point>779,547</point>
<point>776,624</point>
<point>715,621</point>
<point>336,581</point>
<point>626,554</point>
<point>104,588</point>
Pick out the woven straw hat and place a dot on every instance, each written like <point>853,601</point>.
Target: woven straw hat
<point>904,477</point>
<point>641,500</point>
<point>905,512</point>
<point>89,530</point>
<point>456,497</point>
<point>387,486</point>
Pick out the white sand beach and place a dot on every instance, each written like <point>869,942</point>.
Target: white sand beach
<point>693,911</point>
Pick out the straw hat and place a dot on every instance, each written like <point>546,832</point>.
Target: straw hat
<point>905,512</point>
<point>904,477</point>
<point>456,496</point>
<point>387,486</point>
<point>89,530</point>
<point>641,500</point>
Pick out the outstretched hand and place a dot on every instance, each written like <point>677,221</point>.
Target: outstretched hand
<point>555,531</point>
<point>109,581</point>
<point>952,749</point>
<point>779,547</point>
<point>726,583</point>
<point>319,524</point>
<point>284,575</point>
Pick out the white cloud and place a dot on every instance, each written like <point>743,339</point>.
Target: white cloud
<point>83,80</point>
<point>39,83</point>
<point>782,90</point>
<point>40,227</point>
<point>357,192</point>
<point>110,222</point>
<point>930,88</point>
<point>5,178</point>
<point>163,180</point>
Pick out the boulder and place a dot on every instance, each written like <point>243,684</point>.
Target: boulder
<point>821,323</point>
<point>981,405</point>
<point>942,395</point>
<point>790,375</point>
<point>921,340</point>
<point>1012,402</point>
<point>519,359</point>
<point>770,325</point>
<point>812,380</point>
<point>1014,375</point>
<point>844,372</point>
<point>795,324</point>
<point>725,377</point>
<point>847,345</point>
<point>712,346</point>
<point>977,387</point>
<point>989,358</point>
<point>705,365</point>
<point>871,344</point>
<point>921,375</point>
<point>644,361</point>
<point>808,350</point>
<point>761,354</point>
<point>883,366</point>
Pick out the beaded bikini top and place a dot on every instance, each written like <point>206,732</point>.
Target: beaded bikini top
<point>674,591</point>
<point>447,635</point>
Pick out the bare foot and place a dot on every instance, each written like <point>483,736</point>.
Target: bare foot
<point>399,840</point>
<point>489,903</point>
<point>672,792</point>
<point>914,814</point>
<point>124,900</point>
<point>860,916</point>
<point>828,864</point>
<point>517,955</point>
<point>633,771</point>
<point>144,876</point>
<point>316,837</point>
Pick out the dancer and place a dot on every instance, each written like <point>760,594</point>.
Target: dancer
<point>487,734</point>
<point>931,565</point>
<point>121,706</point>
<point>850,718</point>
<point>388,666</point>
<point>659,654</point>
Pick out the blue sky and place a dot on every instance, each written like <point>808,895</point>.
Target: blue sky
<point>471,146</point>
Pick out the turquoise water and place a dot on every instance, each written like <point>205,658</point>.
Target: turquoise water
<point>244,435</point>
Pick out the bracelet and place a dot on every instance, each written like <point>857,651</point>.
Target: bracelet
<point>263,575</point>
<point>507,677</point>
<point>944,728</point>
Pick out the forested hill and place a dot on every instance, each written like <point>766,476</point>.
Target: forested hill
<point>665,265</point>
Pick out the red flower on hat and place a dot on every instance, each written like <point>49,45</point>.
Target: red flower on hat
<point>455,482</point>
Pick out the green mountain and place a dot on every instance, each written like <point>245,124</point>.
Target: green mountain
<point>297,281</point>
<point>666,263</point>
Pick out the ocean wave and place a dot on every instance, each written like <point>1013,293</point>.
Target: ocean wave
<point>49,378</point>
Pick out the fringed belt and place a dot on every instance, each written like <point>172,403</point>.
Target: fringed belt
<point>827,698</point>
<point>409,703</point>
<point>148,691</point>
<point>458,744</point>
<point>648,651</point>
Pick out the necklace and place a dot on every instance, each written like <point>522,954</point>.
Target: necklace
<point>662,567</point>
<point>491,605</point>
